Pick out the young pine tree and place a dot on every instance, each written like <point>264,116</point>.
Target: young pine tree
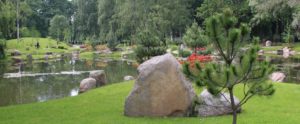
<point>112,41</point>
<point>149,45</point>
<point>194,37</point>
<point>240,67</point>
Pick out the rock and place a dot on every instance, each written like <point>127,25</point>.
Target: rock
<point>277,77</point>
<point>128,78</point>
<point>268,43</point>
<point>279,52</point>
<point>211,105</point>
<point>49,53</point>
<point>105,51</point>
<point>160,90</point>
<point>75,55</point>
<point>124,55</point>
<point>99,76</point>
<point>16,60</point>
<point>286,50</point>
<point>29,57</point>
<point>87,84</point>
<point>261,52</point>
<point>16,53</point>
<point>46,57</point>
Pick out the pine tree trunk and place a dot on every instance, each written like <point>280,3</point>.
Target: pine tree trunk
<point>233,106</point>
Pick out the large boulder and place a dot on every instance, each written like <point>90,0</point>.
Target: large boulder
<point>99,76</point>
<point>211,105</point>
<point>160,90</point>
<point>87,84</point>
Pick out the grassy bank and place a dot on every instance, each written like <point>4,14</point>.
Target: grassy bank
<point>105,106</point>
<point>27,46</point>
<point>295,47</point>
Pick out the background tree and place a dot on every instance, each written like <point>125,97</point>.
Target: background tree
<point>59,27</point>
<point>112,41</point>
<point>272,16</point>
<point>7,19</point>
<point>126,17</point>
<point>105,11</point>
<point>45,10</point>
<point>296,23</point>
<point>2,48</point>
<point>149,45</point>
<point>228,38</point>
<point>210,7</point>
<point>86,19</point>
<point>195,37</point>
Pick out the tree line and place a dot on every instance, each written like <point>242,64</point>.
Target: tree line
<point>120,21</point>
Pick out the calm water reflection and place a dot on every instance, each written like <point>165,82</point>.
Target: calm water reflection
<point>289,66</point>
<point>45,87</point>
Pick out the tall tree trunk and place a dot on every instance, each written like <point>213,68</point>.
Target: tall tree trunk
<point>18,21</point>
<point>233,106</point>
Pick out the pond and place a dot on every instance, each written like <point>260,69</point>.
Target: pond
<point>290,66</point>
<point>42,81</point>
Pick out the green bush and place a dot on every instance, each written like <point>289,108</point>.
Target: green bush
<point>29,32</point>
<point>61,47</point>
<point>173,48</point>
<point>184,53</point>
<point>149,45</point>
<point>2,48</point>
<point>205,52</point>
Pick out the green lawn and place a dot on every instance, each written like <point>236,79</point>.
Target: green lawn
<point>27,46</point>
<point>272,48</point>
<point>295,46</point>
<point>105,106</point>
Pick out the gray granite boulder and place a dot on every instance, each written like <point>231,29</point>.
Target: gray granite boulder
<point>87,84</point>
<point>99,76</point>
<point>160,89</point>
<point>211,105</point>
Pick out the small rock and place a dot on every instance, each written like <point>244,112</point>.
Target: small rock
<point>99,76</point>
<point>16,53</point>
<point>261,52</point>
<point>211,105</point>
<point>277,77</point>
<point>128,78</point>
<point>46,57</point>
<point>268,43</point>
<point>49,53</point>
<point>29,57</point>
<point>87,84</point>
<point>16,59</point>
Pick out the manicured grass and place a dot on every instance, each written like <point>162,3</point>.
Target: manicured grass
<point>295,47</point>
<point>91,55</point>
<point>27,46</point>
<point>272,48</point>
<point>105,106</point>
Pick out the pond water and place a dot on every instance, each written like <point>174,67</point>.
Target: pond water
<point>42,81</point>
<point>289,66</point>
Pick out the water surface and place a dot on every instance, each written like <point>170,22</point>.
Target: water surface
<point>42,81</point>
